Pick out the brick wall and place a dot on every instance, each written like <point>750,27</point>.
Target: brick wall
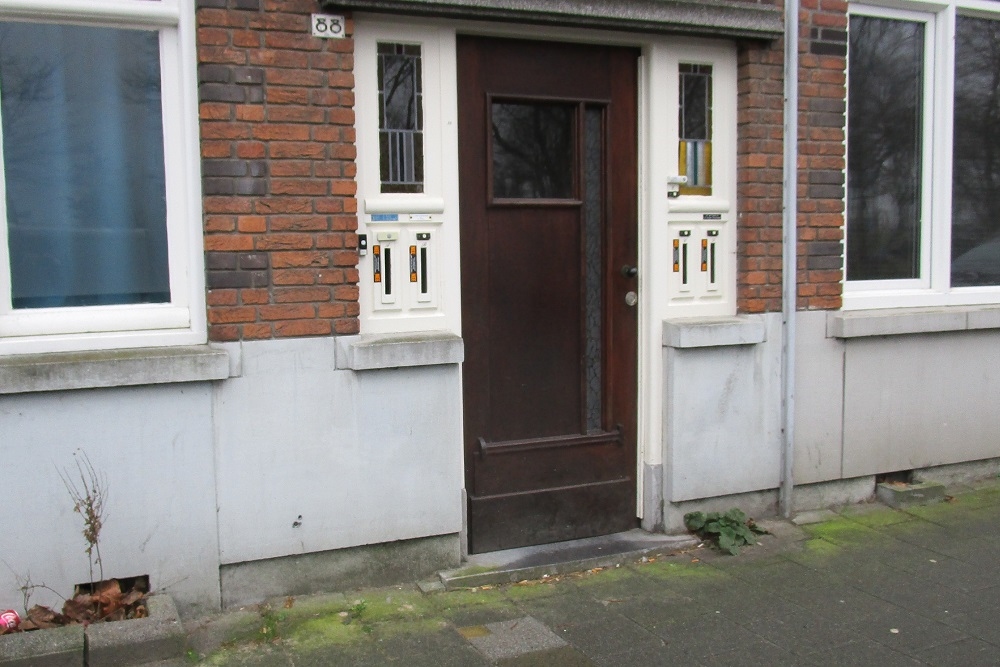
<point>277,146</point>
<point>822,91</point>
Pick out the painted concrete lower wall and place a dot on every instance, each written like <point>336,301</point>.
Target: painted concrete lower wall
<point>153,445</point>
<point>311,458</point>
<point>289,457</point>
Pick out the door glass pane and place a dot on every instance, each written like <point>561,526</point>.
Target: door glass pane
<point>533,150</point>
<point>401,137</point>
<point>593,206</point>
<point>695,123</point>
<point>975,231</point>
<point>884,145</point>
<point>83,165</point>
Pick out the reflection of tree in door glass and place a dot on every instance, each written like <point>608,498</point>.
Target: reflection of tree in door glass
<point>533,150</point>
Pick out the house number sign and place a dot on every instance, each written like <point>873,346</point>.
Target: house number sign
<point>328,26</point>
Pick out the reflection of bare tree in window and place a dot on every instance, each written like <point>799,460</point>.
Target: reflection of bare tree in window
<point>532,151</point>
<point>884,148</point>
<point>975,249</point>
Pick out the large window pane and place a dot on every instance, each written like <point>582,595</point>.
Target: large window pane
<point>884,145</point>
<point>975,232</point>
<point>534,153</point>
<point>83,165</point>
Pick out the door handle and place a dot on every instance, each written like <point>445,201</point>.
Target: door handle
<point>630,271</point>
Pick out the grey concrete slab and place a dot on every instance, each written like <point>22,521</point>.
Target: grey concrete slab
<point>617,634</point>
<point>511,639</point>
<point>967,653</point>
<point>862,653</point>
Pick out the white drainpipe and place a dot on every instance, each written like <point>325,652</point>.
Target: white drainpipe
<point>789,244</point>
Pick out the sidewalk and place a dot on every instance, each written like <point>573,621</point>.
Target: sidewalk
<point>869,586</point>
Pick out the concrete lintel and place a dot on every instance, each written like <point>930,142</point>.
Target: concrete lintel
<point>374,351</point>
<point>700,17</point>
<point>714,332</point>
<point>900,321</point>
<point>111,368</point>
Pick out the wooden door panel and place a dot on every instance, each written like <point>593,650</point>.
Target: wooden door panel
<point>534,314</point>
<point>549,378</point>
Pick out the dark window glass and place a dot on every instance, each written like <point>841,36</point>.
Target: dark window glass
<point>695,123</point>
<point>83,165</point>
<point>975,230</point>
<point>884,145</point>
<point>401,137</point>
<point>533,150</point>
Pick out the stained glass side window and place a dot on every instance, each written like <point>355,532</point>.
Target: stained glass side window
<point>401,122</point>
<point>695,125</point>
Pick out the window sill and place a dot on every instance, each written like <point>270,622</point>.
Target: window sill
<point>63,371</point>
<point>377,351</point>
<point>902,321</point>
<point>714,332</point>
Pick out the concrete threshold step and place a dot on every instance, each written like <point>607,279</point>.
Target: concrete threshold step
<point>511,565</point>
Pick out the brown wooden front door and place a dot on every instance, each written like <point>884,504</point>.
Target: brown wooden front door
<point>548,162</point>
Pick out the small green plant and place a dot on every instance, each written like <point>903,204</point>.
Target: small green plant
<point>270,620</point>
<point>728,531</point>
<point>357,610</point>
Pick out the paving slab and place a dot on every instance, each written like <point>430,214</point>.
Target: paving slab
<point>511,639</point>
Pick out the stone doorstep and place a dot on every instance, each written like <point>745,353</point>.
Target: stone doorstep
<point>500,567</point>
<point>905,495</point>
<point>160,636</point>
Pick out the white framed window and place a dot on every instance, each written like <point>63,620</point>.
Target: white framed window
<point>100,211</point>
<point>923,130</point>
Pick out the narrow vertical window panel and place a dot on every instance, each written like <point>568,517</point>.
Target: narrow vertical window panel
<point>84,173</point>
<point>975,206</point>
<point>400,99</point>
<point>695,126</point>
<point>885,147</point>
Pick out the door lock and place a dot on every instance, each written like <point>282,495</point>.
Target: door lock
<point>631,298</point>
<point>630,271</point>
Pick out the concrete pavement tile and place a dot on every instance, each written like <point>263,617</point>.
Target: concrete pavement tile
<point>785,575</point>
<point>875,515</point>
<point>647,657</point>
<point>906,631</point>
<point>927,598</point>
<point>616,634</point>
<point>338,655</point>
<point>862,653</point>
<point>509,639</point>
<point>967,653</point>
<point>445,648</point>
<point>702,635</point>
<point>840,604</point>
<point>566,656</point>
<point>565,610</point>
<point>252,655</point>
<point>756,654</point>
<point>614,583</point>
<point>983,624</point>
<point>800,633</point>
<point>482,614</point>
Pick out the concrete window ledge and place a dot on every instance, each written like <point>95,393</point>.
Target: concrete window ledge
<point>375,351</point>
<point>714,331</point>
<point>901,321</point>
<point>111,368</point>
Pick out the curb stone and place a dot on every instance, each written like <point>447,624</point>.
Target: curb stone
<point>157,637</point>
